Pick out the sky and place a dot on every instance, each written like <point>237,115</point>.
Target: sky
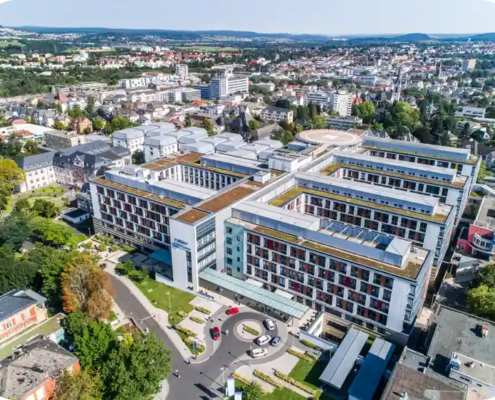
<point>333,17</point>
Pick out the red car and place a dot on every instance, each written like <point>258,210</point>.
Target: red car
<point>233,311</point>
<point>216,333</point>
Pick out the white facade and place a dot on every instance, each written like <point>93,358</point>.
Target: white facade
<point>181,70</point>
<point>223,86</point>
<point>131,139</point>
<point>341,103</point>
<point>38,178</point>
<point>470,112</point>
<point>273,114</point>
<point>159,147</point>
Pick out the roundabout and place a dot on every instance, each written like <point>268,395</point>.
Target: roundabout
<point>330,137</point>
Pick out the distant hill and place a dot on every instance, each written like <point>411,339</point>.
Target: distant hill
<point>484,36</point>
<point>412,37</point>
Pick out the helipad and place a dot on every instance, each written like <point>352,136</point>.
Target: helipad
<point>330,137</point>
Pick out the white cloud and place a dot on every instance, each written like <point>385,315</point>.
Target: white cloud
<point>5,1</point>
<point>490,1</point>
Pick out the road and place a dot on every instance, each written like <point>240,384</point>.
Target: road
<point>197,381</point>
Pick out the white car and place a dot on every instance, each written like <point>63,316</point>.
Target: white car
<point>255,353</point>
<point>270,325</point>
<point>263,340</point>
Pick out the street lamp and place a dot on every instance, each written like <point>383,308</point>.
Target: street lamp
<point>223,381</point>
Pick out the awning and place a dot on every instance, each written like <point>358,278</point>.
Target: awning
<point>163,256</point>
<point>243,288</point>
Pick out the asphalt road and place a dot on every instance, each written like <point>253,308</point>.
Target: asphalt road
<point>197,381</point>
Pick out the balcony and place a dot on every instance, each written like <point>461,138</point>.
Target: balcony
<point>483,244</point>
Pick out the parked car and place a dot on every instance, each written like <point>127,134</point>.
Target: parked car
<point>255,353</point>
<point>276,341</point>
<point>263,340</point>
<point>233,311</point>
<point>216,333</point>
<point>270,325</point>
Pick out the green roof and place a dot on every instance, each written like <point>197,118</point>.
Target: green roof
<point>255,293</point>
<point>45,328</point>
<point>472,160</point>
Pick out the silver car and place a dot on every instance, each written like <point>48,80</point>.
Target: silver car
<point>276,341</point>
<point>270,325</point>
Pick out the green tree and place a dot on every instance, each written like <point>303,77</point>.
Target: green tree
<point>117,124</point>
<point>138,157</point>
<point>135,369</point>
<point>320,122</point>
<point>58,108</point>
<point>61,126</point>
<point>30,148</point>
<point>283,136</point>
<point>15,273</point>
<point>187,121</point>
<point>481,301</point>
<point>10,175</point>
<point>312,111</point>
<point>252,392</point>
<point>57,234</point>
<point>482,173</point>
<point>93,344</point>
<point>15,229</point>
<point>22,205</point>
<point>45,208</point>
<point>98,124</point>
<point>125,267</point>
<point>90,105</point>
<point>208,126</point>
<point>78,385</point>
<point>253,125</point>
<point>486,277</point>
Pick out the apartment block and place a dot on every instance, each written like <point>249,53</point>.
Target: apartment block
<point>470,112</point>
<point>63,140</point>
<point>276,114</point>
<point>132,139</point>
<point>343,123</point>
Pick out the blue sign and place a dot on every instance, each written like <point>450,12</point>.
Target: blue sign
<point>195,346</point>
<point>180,244</point>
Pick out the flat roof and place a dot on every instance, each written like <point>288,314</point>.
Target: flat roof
<point>402,143</point>
<point>459,180</point>
<point>172,160</point>
<point>440,217</point>
<point>185,188</point>
<point>226,198</point>
<point>457,331</point>
<point>486,213</point>
<point>345,357</point>
<point>411,270</point>
<point>370,374</point>
<point>255,293</point>
<point>331,137</point>
<point>140,193</point>
<point>191,216</point>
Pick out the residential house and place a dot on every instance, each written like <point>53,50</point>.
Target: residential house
<point>82,125</point>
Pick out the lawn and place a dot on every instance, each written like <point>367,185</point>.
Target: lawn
<point>278,394</point>
<point>11,43</point>
<point>157,293</point>
<point>51,193</point>
<point>309,373</point>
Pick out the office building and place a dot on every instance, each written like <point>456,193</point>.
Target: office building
<point>226,84</point>
<point>132,139</point>
<point>343,123</point>
<point>469,65</point>
<point>341,103</point>
<point>318,97</point>
<point>276,114</point>
<point>470,112</point>
<point>182,70</point>
<point>204,90</point>
<point>63,140</point>
<point>283,230</point>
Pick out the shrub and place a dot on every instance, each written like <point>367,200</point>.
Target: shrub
<point>309,344</point>
<point>203,310</point>
<point>101,247</point>
<point>185,331</point>
<point>87,245</point>
<point>137,275</point>
<point>267,378</point>
<point>181,313</point>
<point>113,317</point>
<point>252,331</point>
<point>302,356</point>
<point>128,249</point>
<point>197,320</point>
<point>114,248</point>
<point>190,343</point>
<point>297,384</point>
<point>125,267</point>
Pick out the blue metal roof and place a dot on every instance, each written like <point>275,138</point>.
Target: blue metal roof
<point>371,371</point>
<point>163,256</point>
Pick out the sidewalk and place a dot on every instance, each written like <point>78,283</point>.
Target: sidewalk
<point>161,316</point>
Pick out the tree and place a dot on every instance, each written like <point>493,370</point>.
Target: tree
<point>312,111</point>
<point>138,157</point>
<point>93,344</point>
<point>253,125</point>
<point>117,124</point>
<point>15,229</point>
<point>125,267</point>
<point>22,205</point>
<point>252,391</point>
<point>302,113</point>
<point>98,124</point>
<point>78,385</point>
<point>283,103</point>
<point>57,234</point>
<point>30,147</point>
<point>136,368</point>
<point>90,105</point>
<point>10,174</point>
<point>208,126</point>
<point>320,122</point>
<point>366,110</point>
<point>187,121</point>
<point>15,273</point>
<point>45,208</point>
<point>481,301</point>
<point>58,108</point>
<point>61,126</point>
<point>283,136</point>
<point>485,276</point>
<point>85,287</point>
<point>482,173</point>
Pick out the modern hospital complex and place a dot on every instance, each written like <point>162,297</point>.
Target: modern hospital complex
<point>340,222</point>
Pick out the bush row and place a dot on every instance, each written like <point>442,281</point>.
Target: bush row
<point>309,344</point>
<point>185,331</point>
<point>300,355</point>
<point>190,343</point>
<point>252,331</point>
<point>203,310</point>
<point>197,320</point>
<point>297,384</point>
<point>267,378</point>
<point>244,380</point>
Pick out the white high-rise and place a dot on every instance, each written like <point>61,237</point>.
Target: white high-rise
<point>341,103</point>
<point>226,84</point>
<point>181,70</point>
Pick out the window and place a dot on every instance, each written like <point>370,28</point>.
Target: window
<point>229,240</point>
<point>229,229</point>
<point>229,261</point>
<point>229,250</point>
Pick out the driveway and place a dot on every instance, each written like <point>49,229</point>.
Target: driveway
<point>203,380</point>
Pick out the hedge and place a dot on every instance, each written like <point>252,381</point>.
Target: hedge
<point>252,331</point>
<point>308,344</point>
<point>300,355</point>
<point>185,331</point>
<point>129,249</point>
<point>197,320</point>
<point>190,343</point>
<point>244,381</point>
<point>267,379</point>
<point>203,310</point>
<point>297,384</point>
